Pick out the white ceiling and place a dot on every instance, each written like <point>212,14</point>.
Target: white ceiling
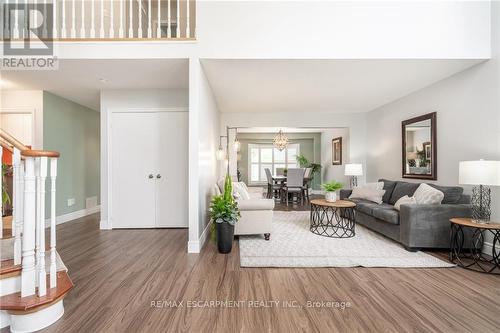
<point>78,80</point>
<point>341,86</point>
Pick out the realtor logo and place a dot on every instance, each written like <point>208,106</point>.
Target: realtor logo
<point>28,37</point>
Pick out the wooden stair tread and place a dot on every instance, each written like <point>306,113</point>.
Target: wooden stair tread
<point>8,269</point>
<point>15,303</point>
<point>7,227</point>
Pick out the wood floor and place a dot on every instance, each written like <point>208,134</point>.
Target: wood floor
<point>119,273</point>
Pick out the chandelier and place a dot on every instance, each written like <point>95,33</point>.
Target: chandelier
<point>280,141</point>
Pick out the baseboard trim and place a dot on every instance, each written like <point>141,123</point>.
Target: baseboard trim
<point>197,245</point>
<point>74,215</point>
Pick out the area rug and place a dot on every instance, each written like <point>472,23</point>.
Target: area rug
<point>293,245</point>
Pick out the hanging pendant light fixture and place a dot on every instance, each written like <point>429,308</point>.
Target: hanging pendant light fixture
<point>280,141</point>
<point>236,143</point>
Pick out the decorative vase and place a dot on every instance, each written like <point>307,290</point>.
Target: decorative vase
<point>331,196</point>
<point>225,235</point>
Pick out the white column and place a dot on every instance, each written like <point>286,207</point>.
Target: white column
<point>42,274</point>
<point>169,20</point>
<point>28,263</point>
<point>150,31</point>
<point>101,30</point>
<point>120,30</point>
<point>178,31</point>
<point>188,32</point>
<point>111,20</point>
<point>17,198</point>
<point>82,27</point>
<point>54,18</point>
<point>53,176</point>
<point>92,19</point>
<point>73,19</point>
<point>63,24</point>
<point>130,21</point>
<point>139,14</point>
<point>158,26</point>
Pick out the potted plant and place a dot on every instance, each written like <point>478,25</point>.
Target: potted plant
<point>331,189</point>
<point>304,163</point>
<point>224,214</point>
<point>5,193</point>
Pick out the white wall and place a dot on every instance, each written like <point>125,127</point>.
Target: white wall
<point>129,99</point>
<point>26,102</point>
<point>208,145</point>
<point>355,123</point>
<point>331,172</point>
<point>468,121</point>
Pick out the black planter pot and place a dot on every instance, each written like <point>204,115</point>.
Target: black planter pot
<point>225,235</point>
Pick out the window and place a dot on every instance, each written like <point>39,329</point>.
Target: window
<point>263,156</point>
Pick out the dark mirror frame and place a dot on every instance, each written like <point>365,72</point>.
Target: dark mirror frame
<point>432,117</point>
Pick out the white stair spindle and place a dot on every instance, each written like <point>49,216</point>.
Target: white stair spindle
<point>130,21</point>
<point>178,20</point>
<point>73,19</point>
<point>92,19</point>
<point>17,198</point>
<point>120,30</point>
<point>158,26</point>
<point>111,20</point>
<point>82,27</point>
<point>16,22</point>
<point>44,29</point>
<point>139,14</point>
<point>1,194</point>
<point>169,20</point>
<point>54,19</point>
<point>188,32</point>
<point>101,30</point>
<point>28,273</point>
<point>35,17</point>
<point>63,19</point>
<point>7,19</point>
<point>25,26</point>
<point>53,176</point>
<point>150,31</point>
<point>42,274</point>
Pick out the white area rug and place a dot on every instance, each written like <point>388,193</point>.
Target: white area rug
<point>293,245</point>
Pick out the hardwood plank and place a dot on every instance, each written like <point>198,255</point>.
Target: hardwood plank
<point>118,273</point>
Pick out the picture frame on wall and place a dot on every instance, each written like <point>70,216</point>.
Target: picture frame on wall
<point>337,151</point>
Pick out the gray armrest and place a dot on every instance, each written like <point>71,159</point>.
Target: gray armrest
<point>428,225</point>
<point>256,204</point>
<point>344,194</point>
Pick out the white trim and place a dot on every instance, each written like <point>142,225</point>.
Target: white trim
<point>197,245</point>
<point>74,215</point>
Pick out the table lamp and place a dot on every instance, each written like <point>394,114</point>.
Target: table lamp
<point>482,174</point>
<point>353,170</point>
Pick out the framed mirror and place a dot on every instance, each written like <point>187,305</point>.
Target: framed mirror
<point>419,147</point>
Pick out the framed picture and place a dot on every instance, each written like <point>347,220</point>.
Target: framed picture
<point>428,150</point>
<point>337,151</point>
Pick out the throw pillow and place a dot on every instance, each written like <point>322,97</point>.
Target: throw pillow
<point>406,200</point>
<point>240,191</point>
<point>368,192</point>
<point>374,186</point>
<point>428,195</point>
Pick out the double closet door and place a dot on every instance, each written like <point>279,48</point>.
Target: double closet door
<point>149,163</point>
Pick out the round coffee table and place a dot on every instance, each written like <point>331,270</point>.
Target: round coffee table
<point>470,255</point>
<point>332,219</point>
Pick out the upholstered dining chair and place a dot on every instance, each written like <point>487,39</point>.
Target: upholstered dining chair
<point>271,186</point>
<point>307,182</point>
<point>294,184</point>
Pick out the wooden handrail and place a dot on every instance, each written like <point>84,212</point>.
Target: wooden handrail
<point>39,153</point>
<point>6,145</point>
<point>12,141</point>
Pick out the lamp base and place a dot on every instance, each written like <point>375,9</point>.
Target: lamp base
<point>354,181</point>
<point>481,204</point>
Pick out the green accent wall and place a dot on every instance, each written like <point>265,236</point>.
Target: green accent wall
<point>74,131</point>
<point>310,147</point>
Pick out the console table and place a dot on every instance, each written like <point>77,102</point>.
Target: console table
<point>332,219</point>
<point>469,255</point>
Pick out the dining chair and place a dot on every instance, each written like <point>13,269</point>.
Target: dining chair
<point>271,186</point>
<point>307,182</point>
<point>294,184</point>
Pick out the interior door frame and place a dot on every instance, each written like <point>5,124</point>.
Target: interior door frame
<point>109,128</point>
<point>26,111</point>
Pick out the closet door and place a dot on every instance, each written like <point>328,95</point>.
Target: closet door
<point>134,149</point>
<point>172,181</point>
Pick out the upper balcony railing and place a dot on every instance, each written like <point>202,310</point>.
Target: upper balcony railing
<point>99,20</point>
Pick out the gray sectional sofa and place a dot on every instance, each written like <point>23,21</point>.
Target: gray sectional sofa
<point>414,226</point>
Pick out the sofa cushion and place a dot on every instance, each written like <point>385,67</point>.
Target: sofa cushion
<point>452,194</point>
<point>406,200</point>
<point>389,186</point>
<point>372,192</point>
<point>256,204</point>
<point>386,213</point>
<point>401,189</point>
<point>364,206</point>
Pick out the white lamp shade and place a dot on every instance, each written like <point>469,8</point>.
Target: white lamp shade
<point>353,169</point>
<point>221,154</point>
<point>479,173</point>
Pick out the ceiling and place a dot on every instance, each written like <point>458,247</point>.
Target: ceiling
<point>340,86</point>
<point>81,80</point>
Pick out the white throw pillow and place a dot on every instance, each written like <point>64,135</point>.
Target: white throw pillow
<point>405,200</point>
<point>374,186</point>
<point>240,191</point>
<point>428,195</point>
<point>368,192</point>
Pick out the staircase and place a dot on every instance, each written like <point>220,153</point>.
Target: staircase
<point>33,278</point>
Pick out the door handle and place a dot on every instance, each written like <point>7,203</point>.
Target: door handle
<point>150,176</point>
<point>158,176</point>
